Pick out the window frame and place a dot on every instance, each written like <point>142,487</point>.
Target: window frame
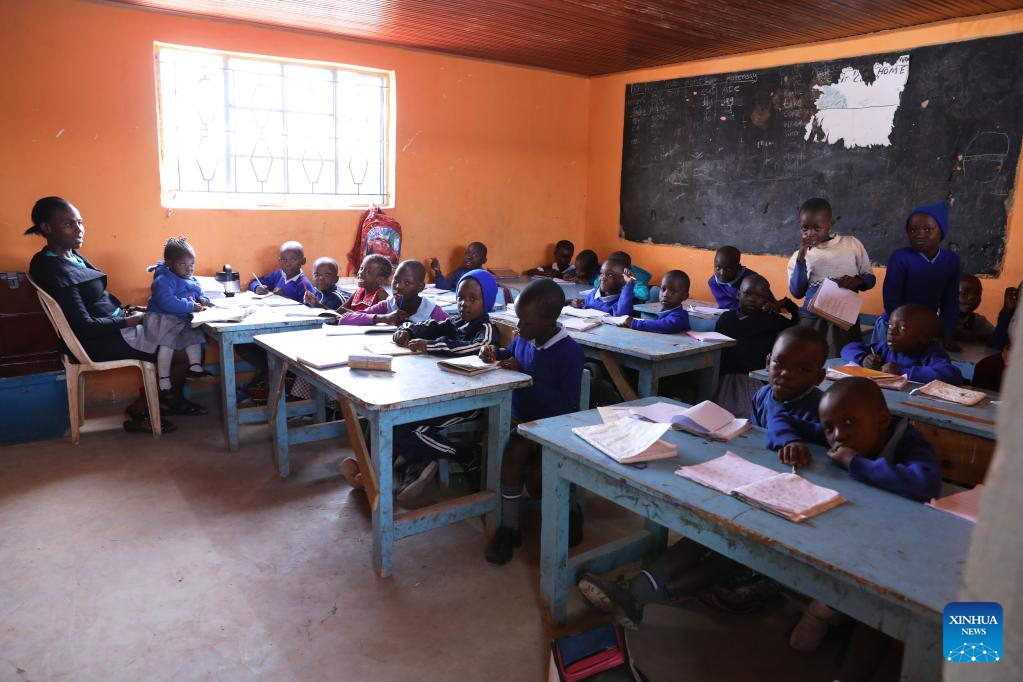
<point>174,198</point>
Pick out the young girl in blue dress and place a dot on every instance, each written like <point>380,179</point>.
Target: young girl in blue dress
<point>176,294</point>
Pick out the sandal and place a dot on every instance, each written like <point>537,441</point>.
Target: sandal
<point>190,409</point>
<point>197,373</point>
<point>143,426</point>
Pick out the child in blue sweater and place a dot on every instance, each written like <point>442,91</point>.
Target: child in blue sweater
<point>289,281</point>
<point>881,451</point>
<point>176,294</point>
<point>327,294</point>
<point>562,267</point>
<point>614,292</point>
<point>729,274</point>
<point>972,326</point>
<point>475,258</point>
<point>909,349</point>
<point>787,407</point>
<point>672,317</point>
<point>547,353</point>
<point>923,272</point>
<point>642,286</point>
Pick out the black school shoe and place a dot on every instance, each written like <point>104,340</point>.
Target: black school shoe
<point>613,598</point>
<point>502,546</point>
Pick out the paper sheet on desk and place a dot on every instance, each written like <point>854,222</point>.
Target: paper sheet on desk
<point>583,312</point>
<point>218,315</point>
<point>623,440</point>
<point>965,505</point>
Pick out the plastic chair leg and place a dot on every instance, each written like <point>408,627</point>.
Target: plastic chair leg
<point>74,411</point>
<point>152,397</point>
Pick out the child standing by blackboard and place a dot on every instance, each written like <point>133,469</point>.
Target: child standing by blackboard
<point>823,255</point>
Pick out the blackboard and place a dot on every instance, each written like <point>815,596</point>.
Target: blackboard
<point>728,158</point>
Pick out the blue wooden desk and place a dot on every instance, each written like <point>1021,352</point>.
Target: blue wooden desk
<point>417,389</point>
<point>571,289</point>
<point>652,355</point>
<point>230,334</point>
<point>979,421</point>
<point>884,560</point>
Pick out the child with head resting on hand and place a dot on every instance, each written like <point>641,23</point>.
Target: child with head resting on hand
<point>289,281</point>
<point>614,292</point>
<point>787,406</point>
<point>909,348</point>
<point>729,274</point>
<point>587,267</point>
<point>879,450</point>
<point>972,326</point>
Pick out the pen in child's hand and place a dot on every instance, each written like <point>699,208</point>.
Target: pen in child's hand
<point>258,280</point>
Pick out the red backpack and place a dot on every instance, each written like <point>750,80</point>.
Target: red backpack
<point>377,233</point>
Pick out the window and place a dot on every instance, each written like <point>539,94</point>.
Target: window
<point>246,131</point>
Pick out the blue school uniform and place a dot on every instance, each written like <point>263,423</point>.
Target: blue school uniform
<point>914,278</point>
<point>641,290</point>
<point>932,362</point>
<point>332,299</point>
<point>556,368</point>
<point>670,321</point>
<point>173,295</point>
<point>616,304</point>
<point>727,293</point>
<point>293,288</point>
<point>907,465</point>
<point>796,419</point>
<point>451,281</point>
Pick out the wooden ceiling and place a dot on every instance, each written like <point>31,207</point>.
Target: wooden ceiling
<point>588,37</point>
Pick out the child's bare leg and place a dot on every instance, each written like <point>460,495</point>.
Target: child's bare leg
<point>517,456</point>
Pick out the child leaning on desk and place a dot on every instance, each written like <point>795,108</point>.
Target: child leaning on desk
<point>289,281</point>
<point>371,278</point>
<point>672,317</point>
<point>879,450</point>
<point>614,291</point>
<point>909,348</point>
<point>544,351</point>
<point>475,258</point>
<point>327,293</point>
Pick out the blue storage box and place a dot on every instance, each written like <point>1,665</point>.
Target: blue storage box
<point>33,407</point>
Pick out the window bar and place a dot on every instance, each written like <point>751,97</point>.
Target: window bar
<point>284,130</point>
<point>232,177</point>
<point>384,122</point>
<point>337,132</point>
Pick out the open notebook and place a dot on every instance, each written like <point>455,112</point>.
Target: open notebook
<point>707,419</point>
<point>628,441</point>
<point>787,495</point>
<point>580,324</point>
<point>357,330</point>
<point>835,304</point>
<point>590,313</point>
<point>218,315</point>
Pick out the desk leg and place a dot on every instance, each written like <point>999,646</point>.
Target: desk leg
<point>277,412</point>
<point>498,432</point>
<point>646,384</point>
<point>922,657</point>
<point>708,377</point>
<point>228,391</point>
<point>554,539</point>
<point>381,428</point>
<point>321,406</point>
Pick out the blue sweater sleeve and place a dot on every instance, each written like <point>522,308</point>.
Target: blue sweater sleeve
<point>270,281</point>
<point>623,306</point>
<point>669,324</point>
<point>916,476</point>
<point>894,288</point>
<point>593,301</point>
<point>938,368</point>
<point>1000,336</point>
<point>505,353</point>
<point>783,428</point>
<point>163,295</point>
<point>799,281</point>
<point>855,352</point>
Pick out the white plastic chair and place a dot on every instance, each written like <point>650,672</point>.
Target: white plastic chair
<point>76,371</point>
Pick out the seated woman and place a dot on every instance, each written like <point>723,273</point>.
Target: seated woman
<point>107,329</point>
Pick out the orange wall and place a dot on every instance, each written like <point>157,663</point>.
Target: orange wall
<point>484,150</point>
<point>607,106</point>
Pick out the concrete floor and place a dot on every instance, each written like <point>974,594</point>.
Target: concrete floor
<point>128,558</point>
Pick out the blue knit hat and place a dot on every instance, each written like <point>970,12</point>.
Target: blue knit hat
<point>938,211</point>
<point>488,285</point>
